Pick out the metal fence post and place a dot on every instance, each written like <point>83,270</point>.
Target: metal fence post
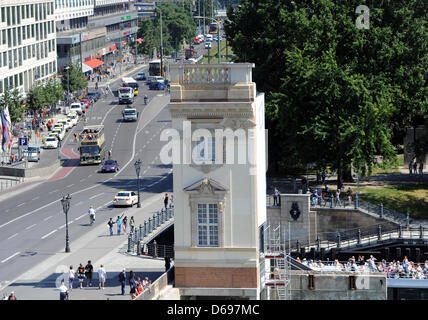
<point>421,230</point>
<point>338,239</point>
<point>381,210</point>
<point>400,231</point>
<point>379,232</point>
<point>141,237</point>
<point>145,229</point>
<point>129,241</point>
<point>359,237</point>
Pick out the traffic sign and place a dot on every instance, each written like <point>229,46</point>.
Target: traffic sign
<point>23,141</point>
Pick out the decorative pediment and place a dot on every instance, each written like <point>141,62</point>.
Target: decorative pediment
<point>206,186</point>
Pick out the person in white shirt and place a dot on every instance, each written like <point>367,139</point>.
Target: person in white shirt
<point>63,291</point>
<point>102,275</point>
<point>91,213</point>
<point>71,274</point>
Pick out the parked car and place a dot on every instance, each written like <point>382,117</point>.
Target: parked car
<point>141,76</point>
<point>51,143</point>
<point>94,95</point>
<point>60,133</point>
<point>85,102</point>
<point>208,45</point>
<point>32,153</point>
<point>73,117</point>
<point>76,107</point>
<point>64,123</point>
<point>110,166</point>
<point>125,198</point>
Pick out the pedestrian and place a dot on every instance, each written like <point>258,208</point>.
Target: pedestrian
<point>171,202</point>
<point>165,200</point>
<point>75,137</point>
<point>59,141</point>
<point>421,169</point>
<point>102,275</point>
<point>81,275</point>
<point>91,213</point>
<point>109,154</point>
<point>275,196</point>
<point>119,224</point>
<point>415,167</point>
<point>63,291</point>
<point>12,296</point>
<point>167,264</point>
<point>338,202</point>
<point>110,225</point>
<point>71,274</point>
<point>132,283</point>
<point>5,296</point>
<point>122,280</point>
<point>96,85</point>
<point>88,273</point>
<point>323,177</point>
<point>410,166</point>
<point>132,224</point>
<point>125,223</point>
<point>349,193</point>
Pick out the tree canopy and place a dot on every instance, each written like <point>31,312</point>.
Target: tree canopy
<point>77,78</point>
<point>45,94</point>
<point>335,94</point>
<point>13,100</point>
<point>177,25</point>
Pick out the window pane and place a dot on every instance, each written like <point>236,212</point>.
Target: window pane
<point>213,237</point>
<point>202,235</point>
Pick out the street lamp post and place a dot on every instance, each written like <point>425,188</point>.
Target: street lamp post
<point>68,85</point>
<point>65,201</point>
<point>137,165</point>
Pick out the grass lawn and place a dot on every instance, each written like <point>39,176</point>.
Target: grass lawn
<point>389,167</point>
<point>413,198</point>
<point>214,53</point>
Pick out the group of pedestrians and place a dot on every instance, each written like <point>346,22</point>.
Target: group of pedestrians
<point>136,285</point>
<point>9,297</point>
<point>122,224</point>
<point>167,199</point>
<point>82,274</point>
<point>416,169</point>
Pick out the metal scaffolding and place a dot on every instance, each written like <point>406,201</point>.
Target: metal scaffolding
<point>275,266</point>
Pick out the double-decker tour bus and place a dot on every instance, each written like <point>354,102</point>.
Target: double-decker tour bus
<point>91,144</point>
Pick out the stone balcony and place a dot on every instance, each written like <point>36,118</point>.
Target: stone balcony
<point>229,82</point>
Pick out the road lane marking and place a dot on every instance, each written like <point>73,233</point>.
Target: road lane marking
<point>31,226</point>
<point>14,255</point>
<point>45,219</point>
<point>47,235</point>
<point>70,185</point>
<point>12,236</point>
<point>53,191</point>
<point>97,195</point>
<point>20,204</point>
<point>63,226</point>
<point>35,198</point>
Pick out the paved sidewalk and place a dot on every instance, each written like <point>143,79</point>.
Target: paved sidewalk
<point>41,281</point>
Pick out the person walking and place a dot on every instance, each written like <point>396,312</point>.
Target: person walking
<point>81,275</point>
<point>102,275</point>
<point>410,166</point>
<point>132,283</point>
<point>63,291</point>
<point>132,224</point>
<point>275,196</point>
<point>119,224</point>
<point>171,202</point>
<point>59,141</point>
<point>125,223</point>
<point>122,280</point>
<point>415,167</point>
<point>89,268</point>
<point>75,137</point>
<point>165,200</point>
<point>110,225</point>
<point>338,202</point>
<point>421,169</point>
<point>71,274</point>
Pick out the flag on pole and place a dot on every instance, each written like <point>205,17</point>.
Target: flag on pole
<point>1,126</point>
<point>7,138</point>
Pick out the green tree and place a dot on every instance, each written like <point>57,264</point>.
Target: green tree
<point>78,80</point>
<point>335,94</point>
<point>36,98</point>
<point>13,100</point>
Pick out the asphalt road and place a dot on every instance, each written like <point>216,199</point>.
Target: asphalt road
<point>32,223</point>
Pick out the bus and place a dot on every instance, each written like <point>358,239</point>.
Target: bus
<point>154,67</point>
<point>91,144</point>
<point>213,27</point>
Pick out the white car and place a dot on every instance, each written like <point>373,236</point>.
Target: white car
<point>76,107</point>
<point>208,45</point>
<point>74,118</point>
<point>58,126</point>
<point>125,198</point>
<point>60,133</point>
<point>51,143</point>
<point>64,123</point>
